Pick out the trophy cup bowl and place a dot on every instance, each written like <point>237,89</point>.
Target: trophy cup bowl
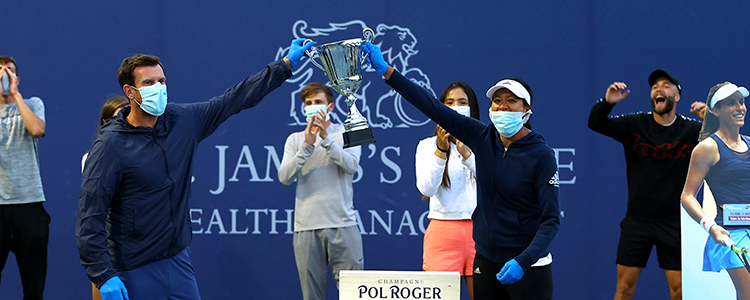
<point>342,62</point>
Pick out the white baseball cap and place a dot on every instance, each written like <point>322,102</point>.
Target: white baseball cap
<point>513,86</point>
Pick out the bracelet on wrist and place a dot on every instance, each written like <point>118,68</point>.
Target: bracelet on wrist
<point>441,149</point>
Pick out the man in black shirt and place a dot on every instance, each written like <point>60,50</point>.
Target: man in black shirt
<point>657,146</point>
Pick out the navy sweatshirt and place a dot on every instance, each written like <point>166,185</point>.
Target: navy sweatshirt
<point>518,212</point>
<point>135,191</point>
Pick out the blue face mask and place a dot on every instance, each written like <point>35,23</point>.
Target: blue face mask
<point>6,83</point>
<point>311,110</point>
<point>508,123</point>
<point>153,99</point>
<point>462,110</point>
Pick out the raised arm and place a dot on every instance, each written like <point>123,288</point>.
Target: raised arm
<point>33,118</point>
<point>699,109</point>
<point>463,128</point>
<point>295,155</point>
<point>599,119</point>
<point>243,95</point>
<point>429,167</point>
<point>249,92</point>
<point>347,160</point>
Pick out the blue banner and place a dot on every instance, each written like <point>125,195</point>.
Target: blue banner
<point>569,52</point>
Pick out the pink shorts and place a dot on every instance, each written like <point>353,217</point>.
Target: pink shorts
<point>449,246</point>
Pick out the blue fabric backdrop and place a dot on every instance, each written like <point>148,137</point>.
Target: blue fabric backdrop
<point>569,51</point>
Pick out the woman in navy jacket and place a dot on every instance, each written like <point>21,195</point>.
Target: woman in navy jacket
<point>518,213</point>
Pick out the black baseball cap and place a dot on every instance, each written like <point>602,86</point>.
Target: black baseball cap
<point>663,74</point>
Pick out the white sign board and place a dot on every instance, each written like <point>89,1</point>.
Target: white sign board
<point>399,285</point>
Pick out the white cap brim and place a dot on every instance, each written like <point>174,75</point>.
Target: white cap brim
<point>726,91</point>
<point>513,86</point>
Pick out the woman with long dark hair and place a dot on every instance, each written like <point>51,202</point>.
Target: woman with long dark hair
<point>446,177</point>
<point>722,159</point>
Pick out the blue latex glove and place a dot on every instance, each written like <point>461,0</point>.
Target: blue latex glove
<point>510,273</point>
<point>297,50</point>
<point>114,289</point>
<point>375,58</point>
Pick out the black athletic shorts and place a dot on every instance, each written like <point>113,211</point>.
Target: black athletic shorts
<point>637,238</point>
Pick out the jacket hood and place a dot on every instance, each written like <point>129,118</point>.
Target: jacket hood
<point>118,123</point>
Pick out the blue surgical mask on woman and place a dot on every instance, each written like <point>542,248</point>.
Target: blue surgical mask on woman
<point>508,123</point>
<point>462,110</point>
<point>153,99</point>
<point>311,110</point>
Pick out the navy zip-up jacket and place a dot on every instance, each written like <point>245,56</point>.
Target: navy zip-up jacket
<point>135,191</point>
<point>518,212</point>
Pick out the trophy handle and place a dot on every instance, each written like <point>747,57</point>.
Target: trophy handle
<point>369,36</point>
<point>311,52</point>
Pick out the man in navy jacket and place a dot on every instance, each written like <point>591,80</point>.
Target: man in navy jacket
<point>133,227</point>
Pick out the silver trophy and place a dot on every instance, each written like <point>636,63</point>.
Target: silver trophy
<point>342,63</point>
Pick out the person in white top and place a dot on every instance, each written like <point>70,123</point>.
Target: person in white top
<point>325,226</point>
<point>445,170</point>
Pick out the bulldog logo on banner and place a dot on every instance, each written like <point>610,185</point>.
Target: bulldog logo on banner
<point>388,109</point>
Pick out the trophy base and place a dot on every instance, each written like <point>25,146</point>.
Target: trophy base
<point>358,137</point>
